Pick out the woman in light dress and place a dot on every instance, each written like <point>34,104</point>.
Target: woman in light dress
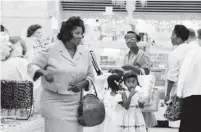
<point>65,69</point>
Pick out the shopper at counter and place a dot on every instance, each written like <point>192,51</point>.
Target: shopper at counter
<point>68,59</point>
<point>34,34</point>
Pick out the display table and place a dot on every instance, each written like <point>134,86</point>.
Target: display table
<point>34,124</point>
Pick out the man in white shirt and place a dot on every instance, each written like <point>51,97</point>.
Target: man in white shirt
<point>189,88</point>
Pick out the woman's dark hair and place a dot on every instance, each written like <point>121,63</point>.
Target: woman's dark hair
<point>131,75</point>
<point>137,35</point>
<point>111,81</point>
<point>32,29</point>
<point>181,32</point>
<point>65,33</point>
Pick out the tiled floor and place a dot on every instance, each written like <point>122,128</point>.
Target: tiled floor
<point>162,130</point>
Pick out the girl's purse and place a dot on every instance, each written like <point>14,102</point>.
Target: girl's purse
<point>173,110</point>
<point>91,110</point>
<point>147,82</point>
<point>153,107</point>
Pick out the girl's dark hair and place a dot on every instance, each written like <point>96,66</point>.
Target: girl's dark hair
<point>32,29</point>
<point>117,72</point>
<point>138,37</point>
<point>111,81</point>
<point>181,32</point>
<point>130,75</point>
<point>65,33</point>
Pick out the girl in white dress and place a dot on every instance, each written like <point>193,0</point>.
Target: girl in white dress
<point>113,103</point>
<point>123,107</point>
<point>133,120</point>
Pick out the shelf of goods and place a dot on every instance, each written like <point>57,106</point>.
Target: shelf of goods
<point>34,124</point>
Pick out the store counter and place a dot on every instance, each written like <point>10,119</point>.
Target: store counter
<point>34,124</point>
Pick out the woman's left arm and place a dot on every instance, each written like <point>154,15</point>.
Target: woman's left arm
<point>135,69</point>
<point>145,64</point>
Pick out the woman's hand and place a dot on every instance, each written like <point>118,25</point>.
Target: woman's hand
<point>167,98</point>
<point>78,86</point>
<point>134,69</point>
<point>48,75</point>
<point>119,71</point>
<point>127,67</point>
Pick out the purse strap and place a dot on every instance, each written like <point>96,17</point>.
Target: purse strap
<point>95,64</point>
<point>81,92</point>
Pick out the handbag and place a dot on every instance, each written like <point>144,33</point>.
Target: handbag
<point>16,99</point>
<point>173,110</point>
<point>91,110</point>
<point>153,107</point>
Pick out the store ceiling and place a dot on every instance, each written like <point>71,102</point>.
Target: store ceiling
<point>152,6</point>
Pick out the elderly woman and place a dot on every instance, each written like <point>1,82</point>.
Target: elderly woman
<point>34,34</point>
<point>138,61</point>
<point>70,64</point>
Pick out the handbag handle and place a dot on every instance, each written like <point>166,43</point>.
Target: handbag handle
<point>95,64</point>
<point>81,92</point>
